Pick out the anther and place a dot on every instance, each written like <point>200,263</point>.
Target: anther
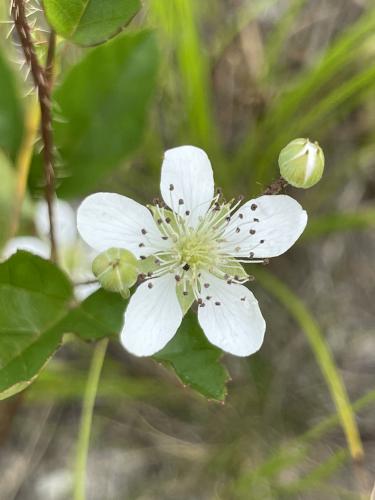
<point>171,187</point>
<point>187,212</point>
<point>261,242</point>
<point>254,206</point>
<point>150,285</point>
<point>149,274</point>
<point>167,220</point>
<point>186,267</point>
<point>206,285</point>
<point>200,301</point>
<point>177,278</point>
<point>208,297</point>
<point>185,293</point>
<point>159,221</point>
<point>243,299</point>
<point>180,201</point>
<point>142,257</point>
<point>252,231</point>
<point>238,229</point>
<point>240,216</point>
<point>141,245</point>
<point>227,218</point>
<point>256,220</point>
<point>217,303</point>
<point>251,255</point>
<point>143,231</point>
<point>164,237</point>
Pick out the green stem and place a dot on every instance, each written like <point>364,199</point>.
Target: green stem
<point>323,356</point>
<point>86,419</point>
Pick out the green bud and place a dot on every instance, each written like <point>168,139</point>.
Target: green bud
<point>301,163</point>
<point>116,270</point>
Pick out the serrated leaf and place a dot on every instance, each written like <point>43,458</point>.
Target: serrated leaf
<point>11,117</point>
<point>34,296</point>
<point>89,22</point>
<point>100,315</point>
<point>104,100</point>
<point>195,360</point>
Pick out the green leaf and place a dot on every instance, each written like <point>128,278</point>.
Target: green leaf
<point>34,295</point>
<point>195,360</point>
<point>11,117</point>
<point>7,188</point>
<point>89,22</point>
<point>100,315</point>
<point>104,100</point>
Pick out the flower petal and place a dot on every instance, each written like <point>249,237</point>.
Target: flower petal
<point>230,317</point>
<point>65,222</point>
<point>108,220</point>
<point>28,243</point>
<point>265,227</point>
<point>81,292</point>
<point>187,182</point>
<point>152,316</point>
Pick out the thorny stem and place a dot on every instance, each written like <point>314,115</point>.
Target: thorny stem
<point>42,84</point>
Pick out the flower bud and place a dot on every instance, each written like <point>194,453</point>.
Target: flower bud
<point>116,270</point>
<point>301,163</point>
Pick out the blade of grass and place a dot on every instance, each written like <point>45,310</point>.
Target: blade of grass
<point>323,355</point>
<point>327,224</point>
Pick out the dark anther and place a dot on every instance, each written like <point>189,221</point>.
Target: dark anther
<point>164,237</point>
<point>187,212</point>
<point>252,231</point>
<point>160,221</point>
<point>171,187</point>
<point>200,301</point>
<point>186,267</point>
<point>226,276</point>
<point>253,206</point>
<point>208,297</point>
<point>167,220</point>
<point>142,257</point>
<point>157,261</point>
<point>185,293</point>
<point>217,303</point>
<point>150,285</point>
<point>243,299</point>
<point>236,277</point>
<point>143,231</point>
<point>238,229</point>
<point>229,282</point>
<point>240,216</point>
<point>227,218</point>
<point>149,274</point>
<point>251,255</point>
<point>177,277</point>
<point>261,242</point>
<point>256,220</point>
<point>141,245</point>
<point>206,285</point>
<point>180,201</point>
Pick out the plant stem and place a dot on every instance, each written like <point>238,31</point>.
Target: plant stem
<point>23,162</point>
<point>86,419</point>
<point>42,84</point>
<point>323,356</point>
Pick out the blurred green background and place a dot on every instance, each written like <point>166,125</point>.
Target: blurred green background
<point>239,79</point>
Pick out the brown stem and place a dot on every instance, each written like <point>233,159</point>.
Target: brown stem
<point>276,187</point>
<point>42,85</point>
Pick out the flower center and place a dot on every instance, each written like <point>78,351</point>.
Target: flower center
<point>195,251</point>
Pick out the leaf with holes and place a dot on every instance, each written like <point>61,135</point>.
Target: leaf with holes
<point>89,22</point>
<point>195,360</point>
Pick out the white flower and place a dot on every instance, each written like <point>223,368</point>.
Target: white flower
<point>74,256</point>
<point>195,249</point>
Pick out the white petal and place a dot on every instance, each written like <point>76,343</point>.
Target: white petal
<point>28,243</point>
<point>65,222</point>
<point>188,172</point>
<point>265,227</point>
<point>108,220</point>
<point>152,317</point>
<point>231,318</point>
